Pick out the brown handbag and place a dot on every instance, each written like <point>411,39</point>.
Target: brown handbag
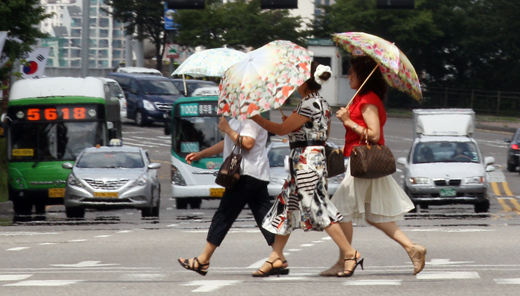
<point>335,161</point>
<point>229,172</point>
<point>371,161</point>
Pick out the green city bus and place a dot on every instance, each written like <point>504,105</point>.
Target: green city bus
<point>49,121</point>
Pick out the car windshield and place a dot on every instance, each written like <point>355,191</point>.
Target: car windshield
<point>431,152</point>
<point>277,156</point>
<point>53,141</point>
<point>106,159</point>
<point>158,87</point>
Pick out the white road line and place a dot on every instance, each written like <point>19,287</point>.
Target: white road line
<point>44,283</point>
<point>373,283</point>
<point>104,235</point>
<point>257,264</point>
<point>449,275</point>
<point>306,245</point>
<point>294,250</point>
<point>124,231</point>
<point>77,240</point>
<point>18,249</point>
<point>448,230</point>
<point>45,244</point>
<point>25,233</point>
<point>14,277</point>
<point>143,277</point>
<point>209,286</point>
<point>85,264</point>
<point>507,281</point>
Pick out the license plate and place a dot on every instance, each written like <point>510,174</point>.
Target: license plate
<point>106,194</point>
<point>56,192</point>
<point>448,192</point>
<point>216,192</point>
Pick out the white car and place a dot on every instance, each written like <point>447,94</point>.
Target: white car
<point>278,154</point>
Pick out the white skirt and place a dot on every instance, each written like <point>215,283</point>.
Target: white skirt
<point>376,200</point>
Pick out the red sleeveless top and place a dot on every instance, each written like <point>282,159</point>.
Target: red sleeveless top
<point>352,138</point>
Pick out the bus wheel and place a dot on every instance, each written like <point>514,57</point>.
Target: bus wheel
<point>181,203</point>
<point>22,210</point>
<point>195,203</point>
<point>40,211</point>
<point>75,212</point>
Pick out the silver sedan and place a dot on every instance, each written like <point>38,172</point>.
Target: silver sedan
<point>112,178</point>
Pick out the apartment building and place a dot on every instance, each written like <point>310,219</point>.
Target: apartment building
<point>106,36</point>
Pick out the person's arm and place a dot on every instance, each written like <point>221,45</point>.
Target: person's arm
<point>370,116</point>
<point>247,142</point>
<point>210,151</point>
<point>291,123</point>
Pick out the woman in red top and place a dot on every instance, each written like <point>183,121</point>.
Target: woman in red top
<point>380,202</point>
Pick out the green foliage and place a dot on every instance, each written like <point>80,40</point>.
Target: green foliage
<point>238,24</point>
<point>18,18</point>
<point>451,43</point>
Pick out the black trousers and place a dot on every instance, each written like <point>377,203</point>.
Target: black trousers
<point>247,190</point>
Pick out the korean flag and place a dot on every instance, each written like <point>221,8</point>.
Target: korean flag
<point>35,67</point>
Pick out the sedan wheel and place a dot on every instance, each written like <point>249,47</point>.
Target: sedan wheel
<point>482,207</point>
<point>139,118</point>
<point>511,167</point>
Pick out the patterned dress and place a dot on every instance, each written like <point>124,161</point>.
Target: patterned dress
<point>304,202</point>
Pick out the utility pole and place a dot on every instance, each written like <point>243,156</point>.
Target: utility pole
<point>85,33</point>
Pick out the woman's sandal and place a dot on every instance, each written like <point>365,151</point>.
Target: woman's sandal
<point>349,273</point>
<point>273,271</point>
<point>201,269</point>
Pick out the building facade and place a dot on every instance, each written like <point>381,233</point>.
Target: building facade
<point>106,36</point>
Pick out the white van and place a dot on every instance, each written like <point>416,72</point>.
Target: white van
<point>139,70</point>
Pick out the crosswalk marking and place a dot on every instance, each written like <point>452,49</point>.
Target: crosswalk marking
<point>447,275</point>
<point>209,286</point>
<point>14,277</point>
<point>18,249</point>
<point>503,203</point>
<point>507,281</point>
<point>44,283</point>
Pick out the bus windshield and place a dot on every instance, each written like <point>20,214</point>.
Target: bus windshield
<point>48,141</point>
<point>193,134</point>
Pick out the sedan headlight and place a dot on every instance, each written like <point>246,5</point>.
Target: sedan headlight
<point>474,180</point>
<point>141,181</point>
<point>73,181</point>
<point>148,106</point>
<point>419,180</point>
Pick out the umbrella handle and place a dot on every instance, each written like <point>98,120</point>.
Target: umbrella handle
<point>281,111</point>
<point>363,84</point>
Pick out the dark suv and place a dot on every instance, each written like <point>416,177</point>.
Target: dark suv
<point>148,97</point>
<point>513,153</point>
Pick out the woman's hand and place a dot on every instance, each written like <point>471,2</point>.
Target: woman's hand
<point>343,114</point>
<point>284,117</point>
<point>223,125</point>
<point>193,157</point>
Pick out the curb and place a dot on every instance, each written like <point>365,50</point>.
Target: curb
<point>6,210</point>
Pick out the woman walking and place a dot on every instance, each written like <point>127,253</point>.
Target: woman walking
<point>380,202</point>
<point>304,202</point>
<point>250,189</point>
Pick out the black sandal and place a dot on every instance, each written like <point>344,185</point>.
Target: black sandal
<point>273,271</point>
<point>201,269</point>
<point>349,273</point>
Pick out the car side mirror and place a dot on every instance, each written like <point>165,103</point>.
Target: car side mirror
<point>154,166</point>
<point>489,160</point>
<point>67,165</point>
<point>507,140</point>
<point>402,160</point>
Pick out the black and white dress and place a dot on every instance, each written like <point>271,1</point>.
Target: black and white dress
<point>304,202</point>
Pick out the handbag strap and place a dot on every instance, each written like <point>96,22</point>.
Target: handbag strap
<point>364,136</point>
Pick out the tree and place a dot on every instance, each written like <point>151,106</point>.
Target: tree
<point>143,17</point>
<point>457,43</point>
<point>20,19</point>
<point>238,24</point>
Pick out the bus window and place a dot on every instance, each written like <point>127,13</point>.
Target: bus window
<point>193,134</point>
